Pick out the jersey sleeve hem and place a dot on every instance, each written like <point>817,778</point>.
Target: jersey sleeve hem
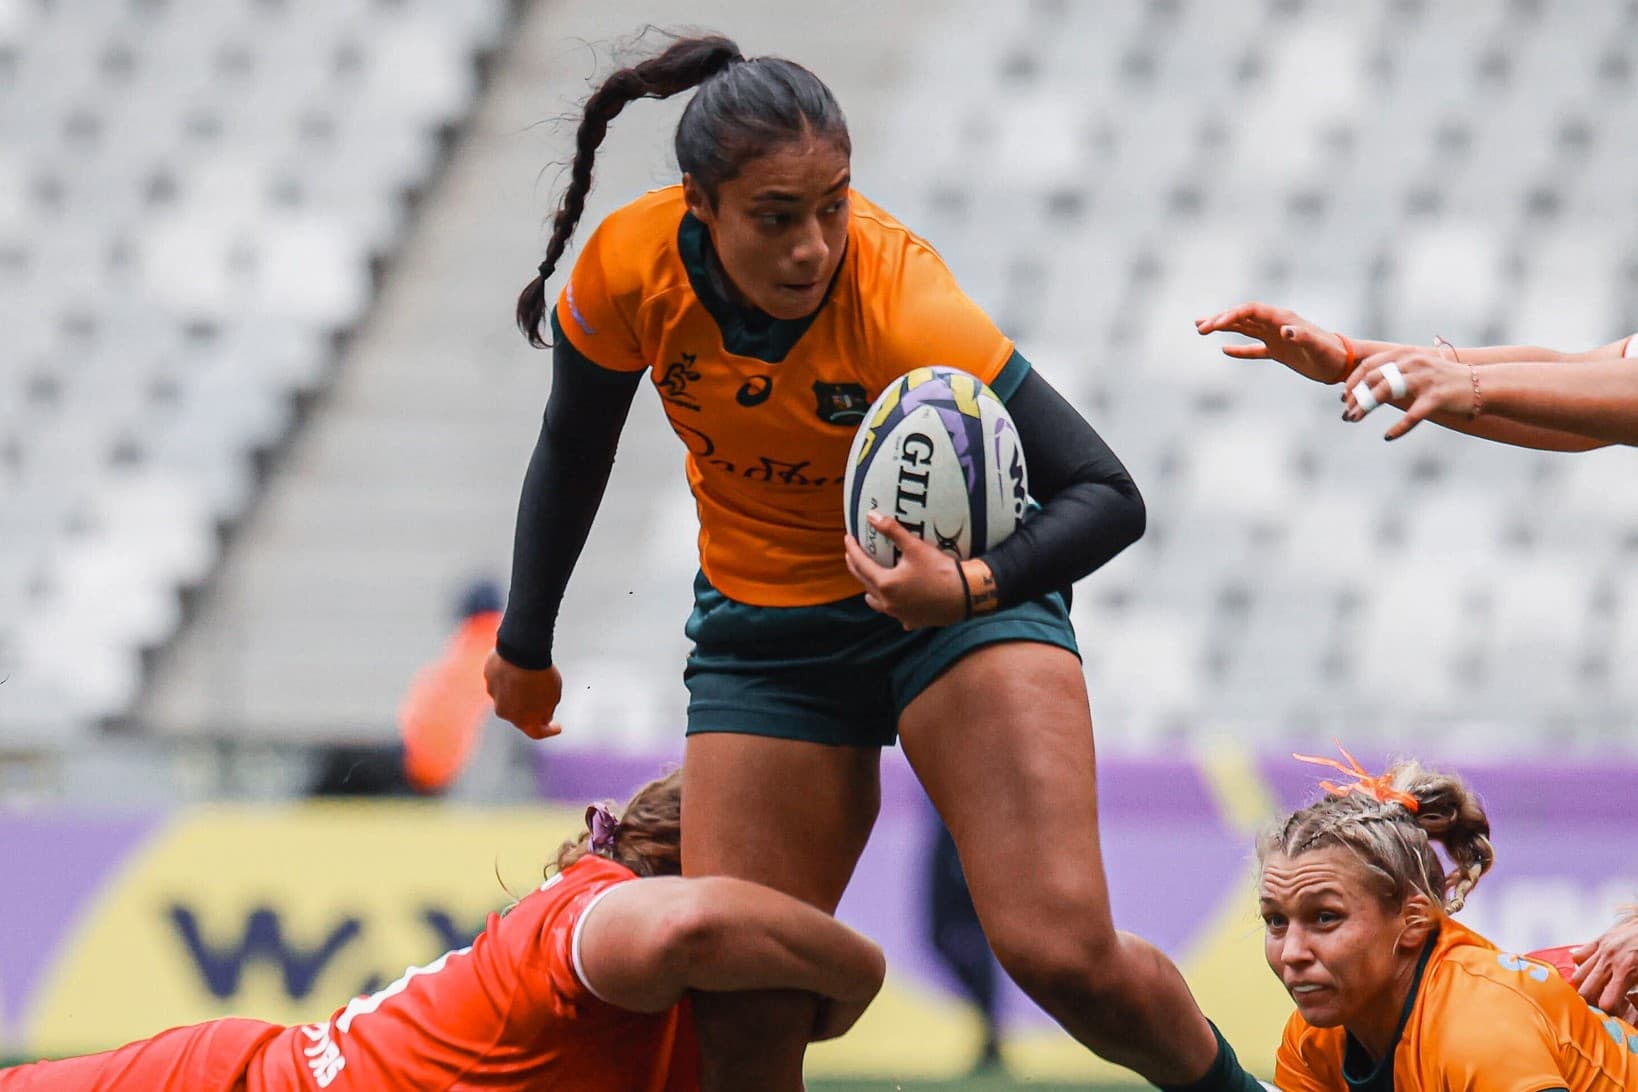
<point>575,958</point>
<point>1011,376</point>
<point>561,338</point>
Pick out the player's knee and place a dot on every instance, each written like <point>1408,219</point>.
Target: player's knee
<point>1067,964</point>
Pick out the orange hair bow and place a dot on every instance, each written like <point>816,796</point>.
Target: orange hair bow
<point>1375,787</point>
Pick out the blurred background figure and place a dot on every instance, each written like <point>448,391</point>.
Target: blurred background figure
<point>443,715</point>
<point>443,746</point>
<point>958,938</point>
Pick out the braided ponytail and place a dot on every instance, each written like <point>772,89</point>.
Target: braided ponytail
<point>1451,815</point>
<point>685,64</point>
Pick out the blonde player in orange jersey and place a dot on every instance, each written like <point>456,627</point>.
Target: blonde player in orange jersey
<point>579,985</point>
<point>769,303</point>
<point>1392,994</point>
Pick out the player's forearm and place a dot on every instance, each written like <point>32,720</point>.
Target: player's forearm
<point>1596,400</point>
<point>1091,508</point>
<point>1502,431</point>
<point>562,491</point>
<point>1525,354</point>
<point>747,937</point>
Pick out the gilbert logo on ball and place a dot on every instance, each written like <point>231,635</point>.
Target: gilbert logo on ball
<point>938,452</point>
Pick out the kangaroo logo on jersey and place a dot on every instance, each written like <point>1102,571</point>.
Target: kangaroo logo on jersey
<point>755,390</point>
<point>674,383</point>
<point>841,403</point>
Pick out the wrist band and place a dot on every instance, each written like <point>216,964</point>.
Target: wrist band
<point>966,591</point>
<point>985,599</point>
<point>1351,357</point>
<point>1440,343</point>
<point>1478,395</point>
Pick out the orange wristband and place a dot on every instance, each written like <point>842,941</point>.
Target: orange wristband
<point>979,583</point>
<point>1352,357</point>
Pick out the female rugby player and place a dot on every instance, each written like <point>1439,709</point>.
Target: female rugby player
<point>1391,992</point>
<point>580,985</point>
<point>770,303</point>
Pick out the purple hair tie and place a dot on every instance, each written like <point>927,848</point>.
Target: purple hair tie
<point>603,826</point>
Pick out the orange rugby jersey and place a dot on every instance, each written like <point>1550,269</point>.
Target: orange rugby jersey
<point>510,1013</point>
<point>767,414</point>
<point>1481,1020</point>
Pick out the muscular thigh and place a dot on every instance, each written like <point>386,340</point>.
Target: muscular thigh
<point>1002,742</point>
<point>787,813</point>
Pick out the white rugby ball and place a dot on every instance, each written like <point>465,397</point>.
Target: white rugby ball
<point>938,452</point>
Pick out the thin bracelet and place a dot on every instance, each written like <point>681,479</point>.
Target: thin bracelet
<point>1478,396</point>
<point>966,591</point>
<point>1440,343</point>
<point>1352,357</point>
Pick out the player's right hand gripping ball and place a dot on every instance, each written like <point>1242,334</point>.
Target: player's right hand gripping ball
<point>939,453</point>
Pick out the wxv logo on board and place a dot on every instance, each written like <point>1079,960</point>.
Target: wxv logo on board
<point>266,940</point>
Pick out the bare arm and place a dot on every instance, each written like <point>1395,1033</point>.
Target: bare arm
<point>1560,406</point>
<point>645,943</point>
<point>1511,354</point>
<point>1316,353</point>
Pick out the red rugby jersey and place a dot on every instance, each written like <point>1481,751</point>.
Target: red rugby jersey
<point>511,1012</point>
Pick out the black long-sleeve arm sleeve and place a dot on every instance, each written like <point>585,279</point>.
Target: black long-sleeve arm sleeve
<point>1090,508</point>
<point>562,491</point>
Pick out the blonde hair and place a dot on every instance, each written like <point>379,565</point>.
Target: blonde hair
<point>1394,843</point>
<point>647,837</point>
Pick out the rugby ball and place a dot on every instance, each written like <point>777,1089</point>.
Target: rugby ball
<point>938,452</point>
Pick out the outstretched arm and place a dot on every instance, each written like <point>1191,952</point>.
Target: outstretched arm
<point>647,942</point>
<point>1327,356</point>
<point>1317,353</point>
<point>1560,406</point>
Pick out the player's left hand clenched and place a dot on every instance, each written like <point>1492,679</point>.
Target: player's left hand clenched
<point>923,589</point>
<point>1421,382</point>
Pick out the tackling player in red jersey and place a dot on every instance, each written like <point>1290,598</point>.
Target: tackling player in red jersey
<point>580,984</point>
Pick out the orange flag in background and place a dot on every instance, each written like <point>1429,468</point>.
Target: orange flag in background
<point>447,705</point>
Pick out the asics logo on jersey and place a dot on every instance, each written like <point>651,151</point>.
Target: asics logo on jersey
<point>755,390</point>
<point>674,383</point>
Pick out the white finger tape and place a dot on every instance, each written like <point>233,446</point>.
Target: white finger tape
<point>1396,380</point>
<point>1363,396</point>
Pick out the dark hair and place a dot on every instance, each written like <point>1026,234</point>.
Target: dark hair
<point>1394,843</point>
<point>744,109</point>
<point>648,835</point>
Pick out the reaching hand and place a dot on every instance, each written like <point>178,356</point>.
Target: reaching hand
<point>526,698</point>
<point>1421,382</point>
<point>923,589</point>
<point>1311,351</point>
<point>1606,970</point>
